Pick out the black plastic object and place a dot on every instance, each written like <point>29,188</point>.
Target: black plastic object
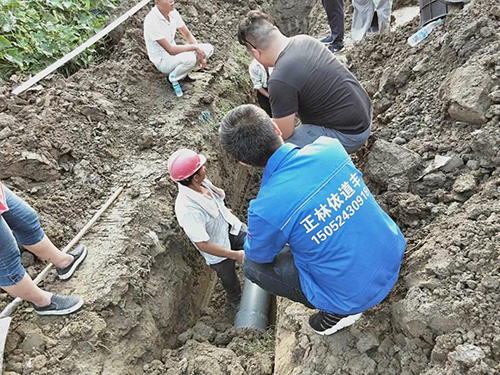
<point>431,10</point>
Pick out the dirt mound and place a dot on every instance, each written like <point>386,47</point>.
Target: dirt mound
<point>433,163</point>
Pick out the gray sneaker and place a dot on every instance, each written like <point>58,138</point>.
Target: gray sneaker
<point>60,304</point>
<point>79,253</point>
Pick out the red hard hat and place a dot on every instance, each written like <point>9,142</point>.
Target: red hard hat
<point>184,163</point>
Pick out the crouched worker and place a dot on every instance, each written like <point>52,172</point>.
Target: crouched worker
<point>344,251</point>
<point>211,227</point>
<point>160,26</point>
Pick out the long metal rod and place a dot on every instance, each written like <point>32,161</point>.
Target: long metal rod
<point>11,307</point>
<point>79,49</point>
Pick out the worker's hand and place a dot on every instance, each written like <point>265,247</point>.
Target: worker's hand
<point>203,64</point>
<point>239,255</point>
<point>200,56</point>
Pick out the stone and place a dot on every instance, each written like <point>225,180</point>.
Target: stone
<point>203,332</point>
<point>191,11</point>
<point>34,341</point>
<point>435,179</point>
<point>399,141</point>
<point>490,282</point>
<point>464,184</point>
<point>39,362</point>
<point>495,11</point>
<point>93,112</point>
<point>422,66</point>
<point>362,365</point>
<point>6,120</point>
<point>147,141</point>
<point>30,165</point>
<point>466,355</point>
<point>5,133</point>
<point>185,336</point>
<point>367,341</point>
<point>495,96</point>
<point>387,162</point>
<point>27,259</point>
<point>467,90</point>
<point>454,163</point>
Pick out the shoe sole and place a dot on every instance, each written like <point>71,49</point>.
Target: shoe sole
<point>72,270</point>
<point>344,322</point>
<point>67,311</point>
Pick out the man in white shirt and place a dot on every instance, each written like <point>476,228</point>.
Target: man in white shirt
<point>260,76</point>
<point>160,26</point>
<point>211,227</point>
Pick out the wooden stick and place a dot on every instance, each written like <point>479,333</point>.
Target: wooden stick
<point>79,49</point>
<point>11,307</point>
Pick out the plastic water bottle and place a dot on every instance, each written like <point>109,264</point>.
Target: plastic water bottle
<point>422,33</point>
<point>176,86</point>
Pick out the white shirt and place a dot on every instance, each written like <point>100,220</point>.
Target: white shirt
<point>258,74</point>
<point>157,27</point>
<point>205,218</point>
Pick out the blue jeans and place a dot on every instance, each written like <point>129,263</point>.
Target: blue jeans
<point>305,134</point>
<point>23,221</point>
<point>280,277</point>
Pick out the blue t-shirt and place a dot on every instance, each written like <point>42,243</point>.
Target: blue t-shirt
<point>347,250</point>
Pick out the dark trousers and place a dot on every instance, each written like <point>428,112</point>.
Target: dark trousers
<point>226,271</point>
<point>264,103</point>
<point>335,12</point>
<point>280,277</point>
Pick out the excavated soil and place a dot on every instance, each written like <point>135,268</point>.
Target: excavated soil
<point>151,307</point>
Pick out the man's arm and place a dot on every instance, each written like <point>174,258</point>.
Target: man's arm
<point>286,125</point>
<point>175,50</point>
<point>214,249</point>
<point>264,92</point>
<point>187,34</point>
<point>284,105</point>
<point>264,240</point>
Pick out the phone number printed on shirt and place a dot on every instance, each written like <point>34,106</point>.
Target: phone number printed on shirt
<point>331,214</point>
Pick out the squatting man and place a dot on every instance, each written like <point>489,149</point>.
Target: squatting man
<point>316,235</point>
<point>160,26</point>
<point>211,227</point>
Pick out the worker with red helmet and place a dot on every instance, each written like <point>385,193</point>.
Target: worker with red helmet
<point>212,228</point>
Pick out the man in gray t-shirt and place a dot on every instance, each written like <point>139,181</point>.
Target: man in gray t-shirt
<point>309,81</point>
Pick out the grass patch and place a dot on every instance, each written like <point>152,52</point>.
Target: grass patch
<point>36,33</point>
<point>264,343</point>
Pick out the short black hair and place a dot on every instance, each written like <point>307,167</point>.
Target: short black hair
<point>247,134</point>
<point>187,181</point>
<point>256,30</point>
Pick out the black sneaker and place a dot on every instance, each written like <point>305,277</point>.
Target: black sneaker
<point>60,304</point>
<point>324,323</point>
<point>327,40</point>
<point>188,79</point>
<point>335,47</point>
<point>79,253</point>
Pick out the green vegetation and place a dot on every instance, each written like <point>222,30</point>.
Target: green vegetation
<point>263,343</point>
<point>35,33</point>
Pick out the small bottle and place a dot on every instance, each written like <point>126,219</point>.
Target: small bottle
<point>422,33</point>
<point>176,86</point>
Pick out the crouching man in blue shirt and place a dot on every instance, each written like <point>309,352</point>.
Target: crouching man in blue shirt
<point>344,252</point>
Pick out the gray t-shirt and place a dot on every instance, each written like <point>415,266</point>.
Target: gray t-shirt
<point>308,79</point>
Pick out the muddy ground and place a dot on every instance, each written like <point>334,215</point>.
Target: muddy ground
<point>432,162</point>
